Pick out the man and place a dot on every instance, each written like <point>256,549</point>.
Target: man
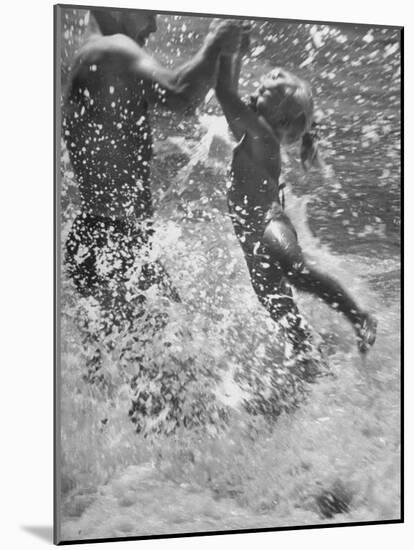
<point>107,130</point>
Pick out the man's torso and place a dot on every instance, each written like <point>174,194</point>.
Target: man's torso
<point>107,132</point>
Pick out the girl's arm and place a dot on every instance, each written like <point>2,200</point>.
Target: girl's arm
<point>244,121</point>
<point>240,117</point>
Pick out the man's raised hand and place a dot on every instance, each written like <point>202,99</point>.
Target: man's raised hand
<point>245,38</point>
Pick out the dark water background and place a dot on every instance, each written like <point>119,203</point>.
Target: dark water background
<point>345,438</point>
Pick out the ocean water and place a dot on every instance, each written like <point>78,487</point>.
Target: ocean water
<point>306,453</point>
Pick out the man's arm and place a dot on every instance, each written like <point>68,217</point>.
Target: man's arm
<point>185,87</point>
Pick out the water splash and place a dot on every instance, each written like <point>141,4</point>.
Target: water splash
<point>347,433</point>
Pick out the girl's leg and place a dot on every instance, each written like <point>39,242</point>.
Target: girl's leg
<point>271,286</point>
<point>310,279</point>
<point>275,294</point>
<point>281,239</point>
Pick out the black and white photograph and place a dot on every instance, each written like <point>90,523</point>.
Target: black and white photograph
<point>228,198</point>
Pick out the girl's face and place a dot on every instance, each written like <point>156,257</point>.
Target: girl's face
<point>285,116</point>
<point>278,103</point>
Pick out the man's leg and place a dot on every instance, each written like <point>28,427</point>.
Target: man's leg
<point>80,258</point>
<point>96,259</point>
<point>154,273</point>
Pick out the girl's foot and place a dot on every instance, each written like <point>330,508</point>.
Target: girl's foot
<point>366,331</point>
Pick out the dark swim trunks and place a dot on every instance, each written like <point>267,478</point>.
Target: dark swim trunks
<point>100,251</point>
<point>102,254</point>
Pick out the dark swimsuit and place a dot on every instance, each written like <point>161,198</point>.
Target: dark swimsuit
<point>250,218</point>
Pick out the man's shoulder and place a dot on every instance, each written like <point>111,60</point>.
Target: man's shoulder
<point>118,45</point>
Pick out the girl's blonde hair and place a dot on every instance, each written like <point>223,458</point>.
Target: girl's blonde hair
<point>290,90</point>
<point>293,95</point>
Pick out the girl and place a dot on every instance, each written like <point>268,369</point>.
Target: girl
<point>280,112</point>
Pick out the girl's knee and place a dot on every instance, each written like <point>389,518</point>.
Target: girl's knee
<point>283,245</point>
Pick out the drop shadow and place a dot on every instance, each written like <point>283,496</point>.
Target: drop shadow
<point>43,532</point>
